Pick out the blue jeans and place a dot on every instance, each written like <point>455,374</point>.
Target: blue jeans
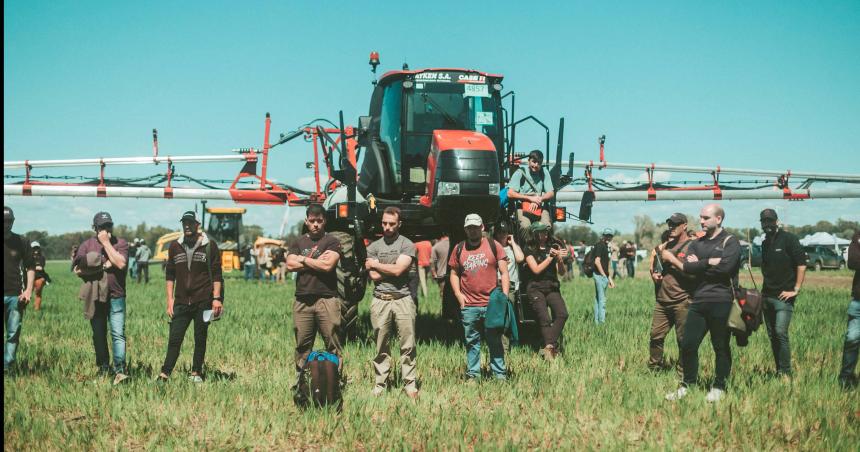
<point>132,267</point>
<point>600,284</point>
<point>852,341</point>
<point>249,271</point>
<point>12,318</point>
<point>473,323</point>
<point>777,318</point>
<point>112,312</point>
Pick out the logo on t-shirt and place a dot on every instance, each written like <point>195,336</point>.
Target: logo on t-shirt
<point>475,262</point>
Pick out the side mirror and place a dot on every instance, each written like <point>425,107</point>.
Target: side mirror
<point>364,131</point>
<point>585,206</point>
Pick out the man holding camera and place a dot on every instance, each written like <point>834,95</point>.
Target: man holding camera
<point>102,260</point>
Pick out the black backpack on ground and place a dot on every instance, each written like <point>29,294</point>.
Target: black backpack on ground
<point>319,383</point>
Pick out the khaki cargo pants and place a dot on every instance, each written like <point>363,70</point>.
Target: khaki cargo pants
<point>322,314</point>
<point>665,316</point>
<point>385,316</point>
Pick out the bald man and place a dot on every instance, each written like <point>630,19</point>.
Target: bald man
<point>714,260</point>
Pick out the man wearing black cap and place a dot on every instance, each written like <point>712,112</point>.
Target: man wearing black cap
<point>533,188</point>
<point>602,279</point>
<point>194,293</point>
<point>674,291</point>
<point>111,257</point>
<point>783,264</point>
<point>18,276</point>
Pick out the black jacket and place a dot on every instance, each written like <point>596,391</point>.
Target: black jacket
<point>715,282</point>
<point>194,285</point>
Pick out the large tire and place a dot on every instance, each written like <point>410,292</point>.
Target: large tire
<point>351,280</point>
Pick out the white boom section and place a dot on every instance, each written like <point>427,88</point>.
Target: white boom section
<point>708,170</point>
<point>708,195</point>
<point>21,164</point>
<point>118,192</point>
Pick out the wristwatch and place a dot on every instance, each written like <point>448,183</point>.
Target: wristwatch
<point>219,298</point>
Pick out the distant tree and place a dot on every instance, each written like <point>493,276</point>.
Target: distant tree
<point>574,234</point>
<point>647,234</point>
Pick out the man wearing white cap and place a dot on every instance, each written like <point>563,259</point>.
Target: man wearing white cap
<point>475,264</point>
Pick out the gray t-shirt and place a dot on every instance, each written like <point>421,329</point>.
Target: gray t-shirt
<point>387,254</point>
<point>513,269</point>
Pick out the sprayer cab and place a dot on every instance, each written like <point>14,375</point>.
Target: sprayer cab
<point>410,112</point>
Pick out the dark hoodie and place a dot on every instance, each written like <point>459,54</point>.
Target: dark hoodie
<point>714,281</point>
<point>192,283</point>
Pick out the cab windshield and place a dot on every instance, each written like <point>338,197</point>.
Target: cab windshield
<point>411,111</point>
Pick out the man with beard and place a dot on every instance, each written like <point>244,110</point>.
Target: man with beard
<point>389,260</point>
<point>475,264</point>
<point>783,264</point>
<point>314,258</point>
<point>194,287</point>
<point>674,290</point>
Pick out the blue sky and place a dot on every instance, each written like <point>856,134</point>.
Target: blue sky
<point>772,85</point>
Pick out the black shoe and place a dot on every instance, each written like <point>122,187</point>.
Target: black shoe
<point>847,383</point>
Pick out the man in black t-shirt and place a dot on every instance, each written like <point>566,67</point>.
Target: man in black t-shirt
<point>783,264</point>
<point>314,257</point>
<point>602,280</point>
<point>17,262</point>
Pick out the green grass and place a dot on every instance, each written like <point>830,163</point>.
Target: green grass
<point>599,396</point>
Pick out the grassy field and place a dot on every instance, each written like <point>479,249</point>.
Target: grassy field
<point>600,395</point>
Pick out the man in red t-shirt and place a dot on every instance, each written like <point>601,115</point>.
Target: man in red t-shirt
<point>475,265</point>
<point>424,249</point>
